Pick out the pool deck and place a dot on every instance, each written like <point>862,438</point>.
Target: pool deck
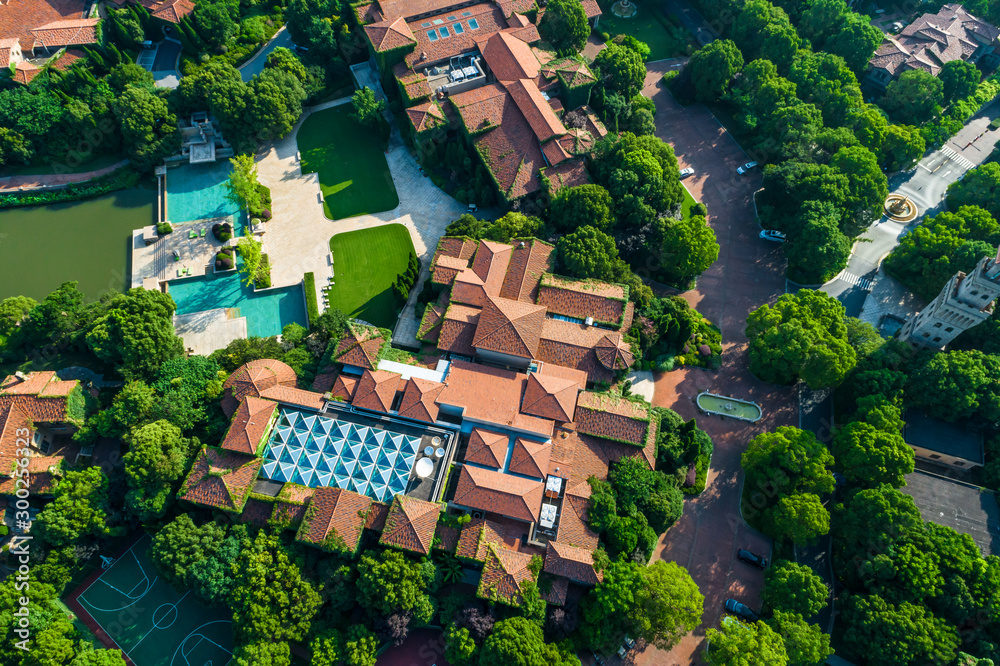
<point>157,261</point>
<point>204,332</point>
<point>299,233</point>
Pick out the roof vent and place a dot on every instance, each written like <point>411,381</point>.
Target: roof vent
<point>522,243</point>
<point>589,321</point>
<point>20,375</point>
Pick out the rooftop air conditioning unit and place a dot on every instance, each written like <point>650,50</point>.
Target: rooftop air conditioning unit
<point>589,321</point>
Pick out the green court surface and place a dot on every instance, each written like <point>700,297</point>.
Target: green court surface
<point>153,624</point>
<point>350,163</point>
<point>365,264</point>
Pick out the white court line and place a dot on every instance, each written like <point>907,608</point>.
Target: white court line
<point>154,627</point>
<point>79,597</point>
<point>194,632</point>
<point>135,600</point>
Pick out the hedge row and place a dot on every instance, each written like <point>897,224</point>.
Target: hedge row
<point>312,307</point>
<point>119,180</point>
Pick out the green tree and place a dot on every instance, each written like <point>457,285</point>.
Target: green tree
<point>589,253</point>
<point>902,147</point>
<point>712,68</point>
<point>819,250</point>
<point>793,587</point>
<point>13,311</point>
<point>867,188</point>
<point>271,601</point>
<point>518,642</point>
<point>252,252</point>
<point>129,74</point>
<point>78,510</point>
<point>57,317</point>
<point>242,186</point>
<point>327,648</point>
<point>274,104</point>
<point>214,24</point>
<point>800,519</point>
<point>149,130</point>
<point>574,207</point>
<point>800,336</point>
<point>620,70</point>
<point>879,632</point>
<point>689,247</point>
<point>136,333</point>
<point>956,385</point>
<point>788,461</point>
<point>959,79</point>
<point>157,457</point>
<point>870,457</point>
<point>460,648</point>
<point>762,30</point>
<point>855,42</point>
<point>180,545</point>
<point>14,147</point>
<point>914,97</point>
<point>738,643</point>
<point>979,187</point>
<point>98,658</point>
<point>564,26</point>
<point>805,643</point>
<point>263,653</point>
<point>389,582</point>
<point>659,603</point>
<point>360,646</point>
<point>512,225</point>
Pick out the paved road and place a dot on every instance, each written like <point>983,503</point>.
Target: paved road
<point>926,185</point>
<point>748,273</point>
<point>255,65</point>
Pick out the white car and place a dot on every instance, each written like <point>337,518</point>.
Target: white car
<point>773,235</point>
<point>687,172</point>
<point>746,167</point>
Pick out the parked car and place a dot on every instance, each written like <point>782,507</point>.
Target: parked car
<point>687,172</point>
<point>740,610</point>
<point>147,44</point>
<point>472,208</point>
<point>746,167</point>
<point>627,645</point>
<point>598,659</point>
<point>751,558</point>
<point>773,235</point>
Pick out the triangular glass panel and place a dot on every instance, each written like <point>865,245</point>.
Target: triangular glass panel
<point>366,456</point>
<point>397,485</point>
<point>345,467</point>
<point>396,442</point>
<point>360,474</point>
<point>381,490</point>
<point>382,474</point>
<point>355,435</point>
<point>283,433</point>
<point>360,487</point>
<point>319,427</point>
<point>308,421</point>
<point>269,468</point>
<point>334,445</point>
<point>372,439</point>
<point>386,458</point>
<point>323,479</point>
<point>325,464</point>
<point>310,460</point>
<point>274,451</point>
<point>288,456</point>
<point>301,437</point>
<point>413,443</point>
<point>307,476</point>
<point>342,481</point>
<point>315,443</point>
<point>355,451</point>
<point>343,429</point>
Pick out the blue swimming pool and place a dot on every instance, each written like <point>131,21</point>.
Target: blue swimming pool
<point>198,192</point>
<point>267,312</point>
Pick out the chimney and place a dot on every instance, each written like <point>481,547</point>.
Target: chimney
<point>21,376</point>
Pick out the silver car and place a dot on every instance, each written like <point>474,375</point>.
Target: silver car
<point>746,167</point>
<point>687,172</point>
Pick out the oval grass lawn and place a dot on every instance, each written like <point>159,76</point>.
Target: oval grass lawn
<point>350,162</point>
<point>366,263</point>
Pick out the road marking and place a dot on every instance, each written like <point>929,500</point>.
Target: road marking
<point>956,158</point>
<point>862,282</point>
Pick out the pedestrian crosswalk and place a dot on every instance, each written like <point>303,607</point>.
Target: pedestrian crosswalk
<point>956,158</point>
<point>863,282</point>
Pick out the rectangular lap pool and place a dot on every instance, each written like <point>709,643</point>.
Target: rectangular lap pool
<point>198,192</point>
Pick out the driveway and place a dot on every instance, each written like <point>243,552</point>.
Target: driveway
<point>748,273</point>
<point>255,65</point>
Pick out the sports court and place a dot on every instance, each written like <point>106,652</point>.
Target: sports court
<point>130,607</point>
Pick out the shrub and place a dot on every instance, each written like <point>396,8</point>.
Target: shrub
<point>312,306</point>
<point>222,231</point>
<point>669,75</point>
<point>265,214</point>
<point>699,209</point>
<point>119,180</point>
<point>164,228</point>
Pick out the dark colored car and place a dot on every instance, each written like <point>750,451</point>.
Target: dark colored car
<point>752,558</point>
<point>740,610</point>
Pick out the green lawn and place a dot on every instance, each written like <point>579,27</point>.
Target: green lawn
<point>687,203</point>
<point>365,264</point>
<point>349,159</point>
<point>651,26</point>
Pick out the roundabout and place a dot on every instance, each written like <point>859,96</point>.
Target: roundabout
<point>900,208</point>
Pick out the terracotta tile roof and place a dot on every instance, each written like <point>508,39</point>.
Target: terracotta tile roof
<point>66,32</point>
<point>555,153</point>
<point>490,264</point>
<point>256,512</point>
<point>490,395</point>
<point>509,58</point>
<point>510,327</point>
<point>475,538</point>
<point>447,537</point>
<point>425,116</point>
<point>612,418</point>
<point>528,33</point>
<point>568,561</point>
<point>510,7</point>
<point>505,494</point>
<point>481,108</point>
<point>530,458</point>
<point>45,472</point>
<point>33,383</point>
<point>459,247</point>
<point>557,591</point>
<point>375,520</point>
<point>410,8</point>
<point>334,520</point>
<point>614,352</point>
<point>287,514</point>
<point>290,395</point>
<point>220,479</point>
<point>543,120</point>
<point>592,8</point>
<point>410,524</point>
<point>360,346</point>
<point>566,174</point>
<point>17,19</point>
<point>576,376</point>
<point>458,329</point>
<point>572,345</point>
<point>503,573</point>
<point>571,71</point>
<point>344,387</point>
<point>376,390</point>
<point>468,288</point>
<point>529,260</point>
<point>7,48</point>
<point>577,141</point>
<point>518,21</point>
<point>487,448</point>
<point>325,379</point>
<point>252,378</point>
<point>604,301</point>
<point>249,425</point>
<point>430,323</point>
<point>171,11</point>
<point>428,52</point>
<point>389,35</point>
<point>550,397</point>
<point>512,153</point>
<point>419,400</point>
<point>573,527</point>
<point>444,269</point>
<point>368,13</point>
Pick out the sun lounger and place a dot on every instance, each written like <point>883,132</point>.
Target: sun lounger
<point>203,232</point>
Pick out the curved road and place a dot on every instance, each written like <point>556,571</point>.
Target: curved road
<point>255,65</point>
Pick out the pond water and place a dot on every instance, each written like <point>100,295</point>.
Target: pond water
<point>88,241</point>
<point>726,406</point>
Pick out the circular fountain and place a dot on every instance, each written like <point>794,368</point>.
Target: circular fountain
<point>900,208</point>
<point>624,9</point>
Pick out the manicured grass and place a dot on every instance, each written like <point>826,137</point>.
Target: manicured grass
<point>651,26</point>
<point>365,265</point>
<point>687,203</point>
<point>350,161</point>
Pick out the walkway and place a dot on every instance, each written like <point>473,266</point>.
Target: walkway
<point>43,181</point>
<point>255,65</point>
<point>748,273</point>
<point>298,236</point>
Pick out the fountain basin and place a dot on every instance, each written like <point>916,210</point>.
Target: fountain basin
<point>743,410</point>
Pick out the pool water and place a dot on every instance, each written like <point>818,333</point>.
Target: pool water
<point>198,192</point>
<point>725,406</point>
<point>267,312</point>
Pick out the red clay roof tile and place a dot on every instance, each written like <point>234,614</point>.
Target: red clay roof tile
<point>504,571</point>
<point>419,400</point>
<point>249,425</point>
<point>510,327</point>
<point>487,448</point>
<point>529,260</point>
<point>220,479</point>
<point>252,378</point>
<point>376,390</point>
<point>571,562</point>
<point>530,458</point>
<point>550,397</point>
<point>505,494</point>
<point>334,520</point>
<point>410,524</point>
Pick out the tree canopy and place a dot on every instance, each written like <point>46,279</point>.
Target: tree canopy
<point>794,588</point>
<point>564,25</point>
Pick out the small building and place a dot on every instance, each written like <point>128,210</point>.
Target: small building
<point>943,443</point>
